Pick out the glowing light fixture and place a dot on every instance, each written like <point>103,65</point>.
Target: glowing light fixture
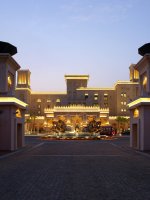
<point>18,113</point>
<point>9,81</point>
<point>136,113</point>
<point>145,81</point>
<point>12,100</point>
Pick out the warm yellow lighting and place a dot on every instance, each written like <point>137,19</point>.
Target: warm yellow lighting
<point>12,100</point>
<point>126,83</point>
<point>38,100</point>
<point>139,101</point>
<point>136,113</point>
<point>23,89</point>
<point>89,89</point>
<point>18,113</point>
<point>38,93</point>
<point>80,77</point>
<point>57,100</point>
<point>9,81</point>
<point>136,74</point>
<point>22,78</point>
<point>50,115</point>
<point>145,81</point>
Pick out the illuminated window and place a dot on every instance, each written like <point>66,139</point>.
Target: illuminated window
<point>123,94</point>
<point>123,110</point>
<point>86,95</point>
<point>95,98</point>
<point>48,100</point>
<point>105,97</point>
<point>39,106</point>
<point>38,100</point>
<point>57,100</point>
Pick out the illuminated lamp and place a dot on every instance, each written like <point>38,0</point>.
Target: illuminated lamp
<point>144,80</point>
<point>9,81</point>
<point>136,113</point>
<point>18,113</point>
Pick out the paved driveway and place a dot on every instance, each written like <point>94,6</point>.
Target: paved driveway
<point>75,170</point>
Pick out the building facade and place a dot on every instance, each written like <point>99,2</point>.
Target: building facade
<point>79,103</point>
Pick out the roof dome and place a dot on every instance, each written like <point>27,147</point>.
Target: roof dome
<point>6,47</point>
<point>145,49</point>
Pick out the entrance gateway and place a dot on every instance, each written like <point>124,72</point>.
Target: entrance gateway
<point>12,110</point>
<point>77,116</point>
<point>140,107</point>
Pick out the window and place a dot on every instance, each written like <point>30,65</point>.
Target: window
<point>106,104</point>
<point>123,94</point>
<point>105,97</point>
<point>38,100</point>
<point>86,95</point>
<point>39,106</point>
<point>57,100</point>
<point>95,98</point>
<point>48,100</point>
<point>123,103</point>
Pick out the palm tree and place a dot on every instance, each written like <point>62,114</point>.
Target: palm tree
<point>122,123</point>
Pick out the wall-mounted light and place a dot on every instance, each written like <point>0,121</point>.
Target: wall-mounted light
<point>144,81</point>
<point>136,113</point>
<point>9,81</point>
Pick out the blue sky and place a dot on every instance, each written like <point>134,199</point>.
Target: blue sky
<point>57,37</point>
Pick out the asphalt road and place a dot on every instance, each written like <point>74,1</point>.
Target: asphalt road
<point>75,170</point>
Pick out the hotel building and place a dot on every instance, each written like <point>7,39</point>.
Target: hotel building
<point>79,102</point>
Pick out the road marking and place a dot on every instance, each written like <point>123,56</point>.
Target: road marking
<point>34,147</point>
<point>69,155</point>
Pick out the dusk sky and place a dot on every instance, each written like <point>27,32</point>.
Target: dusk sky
<point>57,37</point>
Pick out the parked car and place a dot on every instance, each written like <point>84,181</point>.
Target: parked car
<point>107,130</point>
<point>126,132</point>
